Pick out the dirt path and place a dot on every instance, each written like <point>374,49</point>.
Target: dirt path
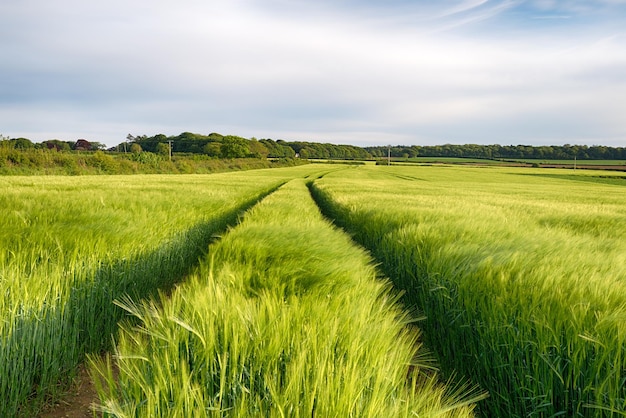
<point>77,403</point>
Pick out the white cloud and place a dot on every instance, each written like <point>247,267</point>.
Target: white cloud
<point>150,67</point>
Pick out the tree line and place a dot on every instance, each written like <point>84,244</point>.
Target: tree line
<point>55,144</point>
<point>231,146</point>
<point>544,152</point>
<point>215,145</point>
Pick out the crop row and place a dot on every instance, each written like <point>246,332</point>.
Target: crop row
<point>284,317</point>
<point>71,246</point>
<point>520,273</point>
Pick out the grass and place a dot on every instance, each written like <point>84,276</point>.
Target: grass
<point>503,161</point>
<point>450,160</point>
<point>521,277</point>
<point>519,273</point>
<point>284,317</point>
<point>70,247</point>
<point>570,162</point>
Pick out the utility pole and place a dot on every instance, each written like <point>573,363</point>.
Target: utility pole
<point>388,154</point>
<point>170,142</point>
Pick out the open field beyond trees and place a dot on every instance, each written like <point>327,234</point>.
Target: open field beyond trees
<point>231,295</point>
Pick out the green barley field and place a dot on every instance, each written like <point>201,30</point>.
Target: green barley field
<point>521,274</point>
<point>448,291</point>
<point>284,317</point>
<point>70,246</point>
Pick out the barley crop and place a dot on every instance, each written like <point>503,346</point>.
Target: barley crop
<point>521,274</point>
<point>284,317</point>
<point>71,245</point>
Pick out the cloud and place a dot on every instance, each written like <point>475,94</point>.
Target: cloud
<point>450,71</point>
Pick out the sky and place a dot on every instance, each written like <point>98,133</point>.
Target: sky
<point>367,72</point>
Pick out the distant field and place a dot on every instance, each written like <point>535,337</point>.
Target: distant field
<point>451,160</point>
<point>506,161</point>
<point>571,162</point>
<point>339,161</point>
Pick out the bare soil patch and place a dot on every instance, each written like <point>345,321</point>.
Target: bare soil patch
<point>78,401</point>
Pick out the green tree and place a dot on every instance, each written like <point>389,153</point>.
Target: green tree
<point>234,147</point>
<point>257,149</point>
<point>95,146</point>
<point>213,149</point>
<point>278,149</point>
<point>163,149</point>
<point>21,143</point>
<point>135,148</point>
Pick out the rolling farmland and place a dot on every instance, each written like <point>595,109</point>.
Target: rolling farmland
<point>284,317</point>
<point>70,246</point>
<point>520,274</point>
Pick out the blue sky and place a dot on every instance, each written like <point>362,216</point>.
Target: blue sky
<point>343,71</point>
